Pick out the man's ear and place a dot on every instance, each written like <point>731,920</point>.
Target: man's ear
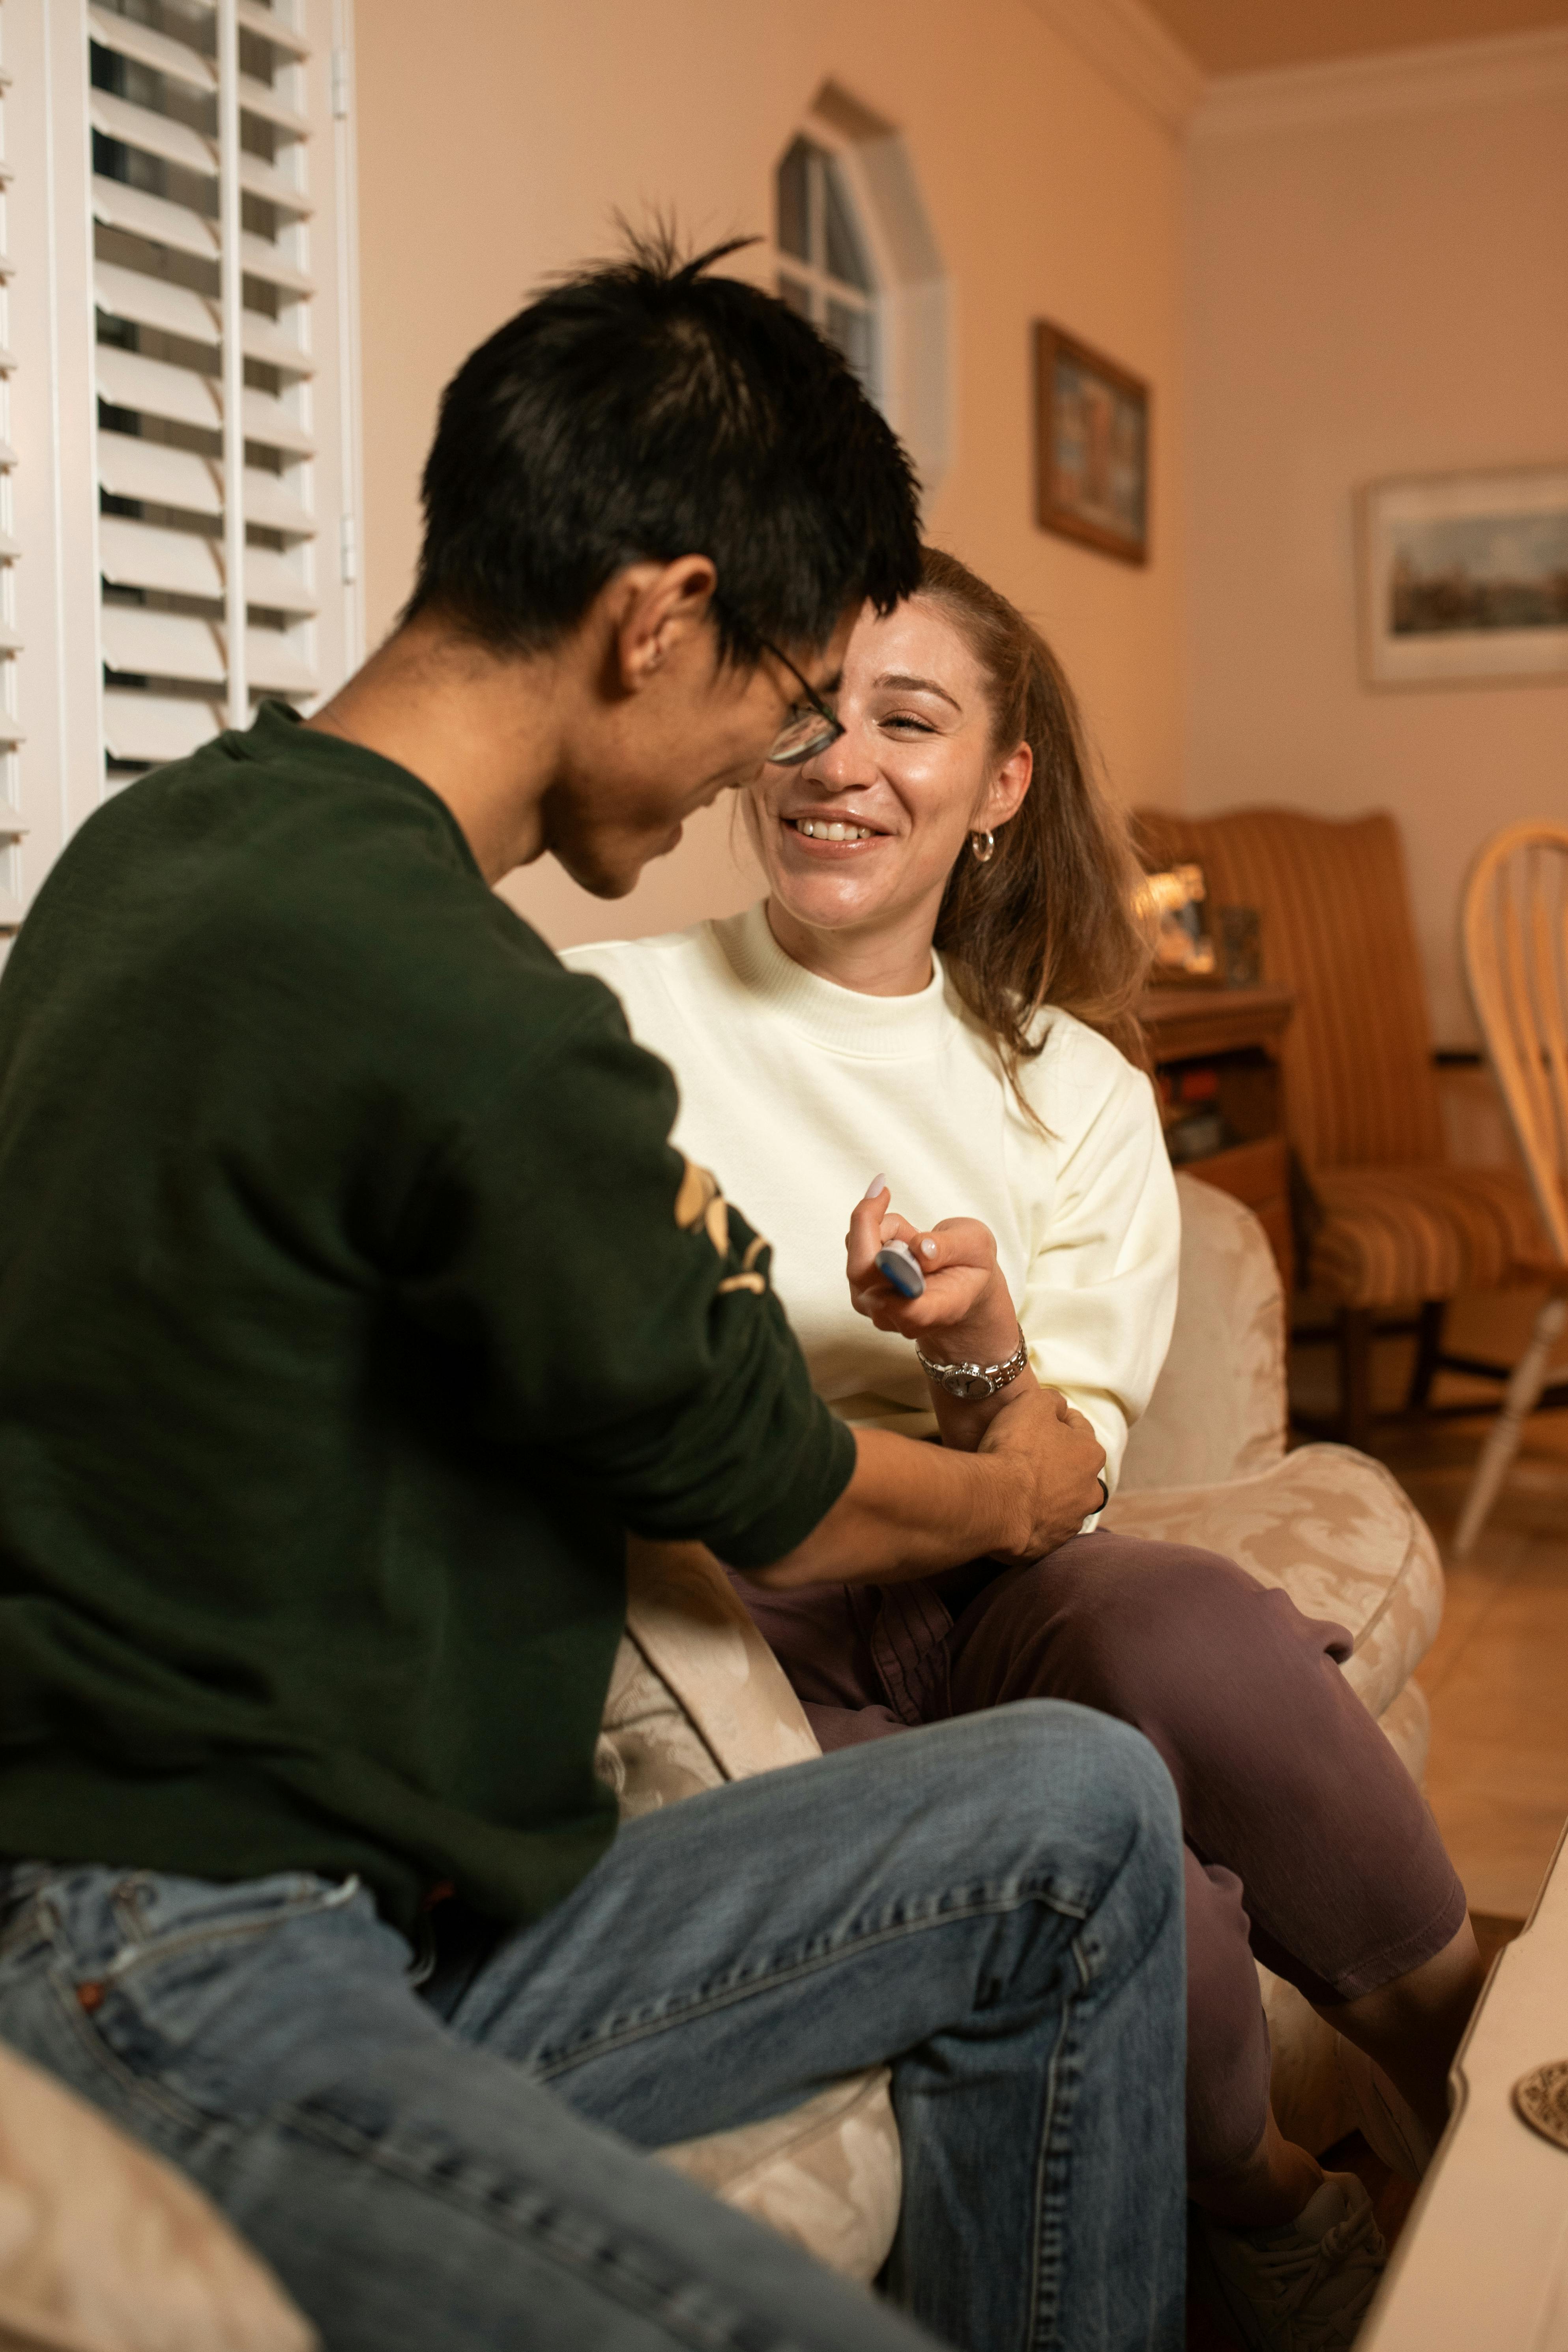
<point>655,611</point>
<point>1005,795</point>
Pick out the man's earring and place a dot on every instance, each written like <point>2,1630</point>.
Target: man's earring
<point>983,845</point>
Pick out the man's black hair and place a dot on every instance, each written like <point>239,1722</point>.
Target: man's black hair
<point>645,409</point>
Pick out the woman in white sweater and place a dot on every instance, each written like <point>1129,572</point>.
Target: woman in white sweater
<point>942,982</point>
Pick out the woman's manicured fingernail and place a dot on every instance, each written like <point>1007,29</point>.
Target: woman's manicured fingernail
<point>928,1249</point>
<point>877,1184</point>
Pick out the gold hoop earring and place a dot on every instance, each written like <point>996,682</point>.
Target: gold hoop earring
<point>983,846</point>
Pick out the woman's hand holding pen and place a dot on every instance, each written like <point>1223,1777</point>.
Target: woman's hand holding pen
<point>1033,1459</point>
<point>965,1315</point>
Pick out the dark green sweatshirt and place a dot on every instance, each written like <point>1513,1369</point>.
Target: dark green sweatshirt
<point>353,1303</point>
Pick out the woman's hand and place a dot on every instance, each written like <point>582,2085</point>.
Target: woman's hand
<point>965,1314</point>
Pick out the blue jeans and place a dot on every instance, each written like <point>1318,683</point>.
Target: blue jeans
<point>993,1907</point>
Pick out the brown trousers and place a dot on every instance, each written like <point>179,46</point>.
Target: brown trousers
<point>1308,1844</point>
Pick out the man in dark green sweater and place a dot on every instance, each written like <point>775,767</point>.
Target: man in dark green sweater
<point>352,1305</point>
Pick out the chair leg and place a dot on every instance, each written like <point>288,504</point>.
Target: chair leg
<point>1428,1348</point>
<point>1355,1375</point>
<point>1502,1439</point>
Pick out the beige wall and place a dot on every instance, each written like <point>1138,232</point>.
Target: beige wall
<point>498,153</point>
<point>1367,298</point>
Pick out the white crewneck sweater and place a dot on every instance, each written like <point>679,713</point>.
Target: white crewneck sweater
<point>796,1092</point>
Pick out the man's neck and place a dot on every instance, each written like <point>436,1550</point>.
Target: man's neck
<point>890,959</point>
<point>482,733</point>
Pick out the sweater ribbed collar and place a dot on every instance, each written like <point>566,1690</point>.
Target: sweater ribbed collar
<point>879,1028</point>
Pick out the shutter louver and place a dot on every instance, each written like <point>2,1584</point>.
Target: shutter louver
<point>12,830</point>
<point>202,198</point>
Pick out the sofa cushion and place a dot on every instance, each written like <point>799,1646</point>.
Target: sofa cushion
<point>688,1624</point>
<point>697,1698</point>
<point>830,2174</point>
<point>1218,1407</point>
<point>650,1752</point>
<point>104,2248</point>
<point>1336,1531</point>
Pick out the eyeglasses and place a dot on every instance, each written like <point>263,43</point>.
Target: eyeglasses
<point>810,727</point>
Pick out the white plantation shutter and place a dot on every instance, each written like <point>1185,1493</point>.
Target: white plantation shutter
<point>13,830</point>
<point>825,268</point>
<point>207,182</point>
<point>193,312</point>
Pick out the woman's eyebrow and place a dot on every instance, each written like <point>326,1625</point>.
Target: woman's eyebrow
<point>907,685</point>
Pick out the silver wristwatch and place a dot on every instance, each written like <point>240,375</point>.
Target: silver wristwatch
<point>972,1383</point>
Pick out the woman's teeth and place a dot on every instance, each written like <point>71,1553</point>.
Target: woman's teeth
<point>814,829</point>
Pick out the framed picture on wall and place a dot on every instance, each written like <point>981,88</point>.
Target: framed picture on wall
<point>1091,424</point>
<point>1464,578</point>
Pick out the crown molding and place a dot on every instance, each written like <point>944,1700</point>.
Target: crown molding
<point>1128,43</point>
<point>1447,75</point>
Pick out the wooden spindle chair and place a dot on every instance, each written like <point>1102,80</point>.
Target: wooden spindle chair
<point>1514,941</point>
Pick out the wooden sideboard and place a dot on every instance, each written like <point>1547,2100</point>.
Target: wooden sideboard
<point>1228,1038</point>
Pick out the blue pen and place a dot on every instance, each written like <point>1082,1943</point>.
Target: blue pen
<point>896,1263</point>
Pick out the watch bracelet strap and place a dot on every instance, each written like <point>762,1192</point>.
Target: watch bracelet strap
<point>1000,1375</point>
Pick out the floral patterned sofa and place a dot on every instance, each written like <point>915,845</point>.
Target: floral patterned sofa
<point>698,1699</point>
<point>105,2248</point>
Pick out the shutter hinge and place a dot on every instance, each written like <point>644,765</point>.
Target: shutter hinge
<point>339,84</point>
<point>348,550</point>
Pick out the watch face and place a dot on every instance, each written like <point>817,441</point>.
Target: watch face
<point>970,1386</point>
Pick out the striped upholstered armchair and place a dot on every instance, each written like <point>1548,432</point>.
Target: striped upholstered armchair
<point>1388,1222</point>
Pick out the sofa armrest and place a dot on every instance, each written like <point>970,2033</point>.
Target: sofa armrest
<point>1218,1409</point>
<point>696,1697</point>
<point>105,2248</point>
<point>1337,1532</point>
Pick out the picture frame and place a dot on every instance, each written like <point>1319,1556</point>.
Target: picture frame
<point>1463,579</point>
<point>1091,427</point>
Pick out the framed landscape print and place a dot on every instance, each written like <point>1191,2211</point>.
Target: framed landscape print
<point>1092,422</point>
<point>1464,578</point>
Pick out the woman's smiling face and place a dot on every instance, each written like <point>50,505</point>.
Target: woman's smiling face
<point>867,833</point>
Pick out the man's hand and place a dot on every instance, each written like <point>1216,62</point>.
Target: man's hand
<point>1056,1457</point>
<point>912,1509</point>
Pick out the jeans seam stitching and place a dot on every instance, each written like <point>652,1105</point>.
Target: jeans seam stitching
<point>1048,2119</point>
<point>335,2132</point>
<point>547,2069</point>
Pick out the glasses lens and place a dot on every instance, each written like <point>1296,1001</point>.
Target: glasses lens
<point>805,732</point>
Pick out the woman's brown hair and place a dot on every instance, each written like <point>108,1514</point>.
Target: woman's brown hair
<point>1054,917</point>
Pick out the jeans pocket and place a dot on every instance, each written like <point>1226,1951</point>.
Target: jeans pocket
<point>180,1978</point>
<point>158,1917</point>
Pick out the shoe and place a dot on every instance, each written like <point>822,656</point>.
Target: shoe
<point>1391,2129</point>
<point>1305,2288</point>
